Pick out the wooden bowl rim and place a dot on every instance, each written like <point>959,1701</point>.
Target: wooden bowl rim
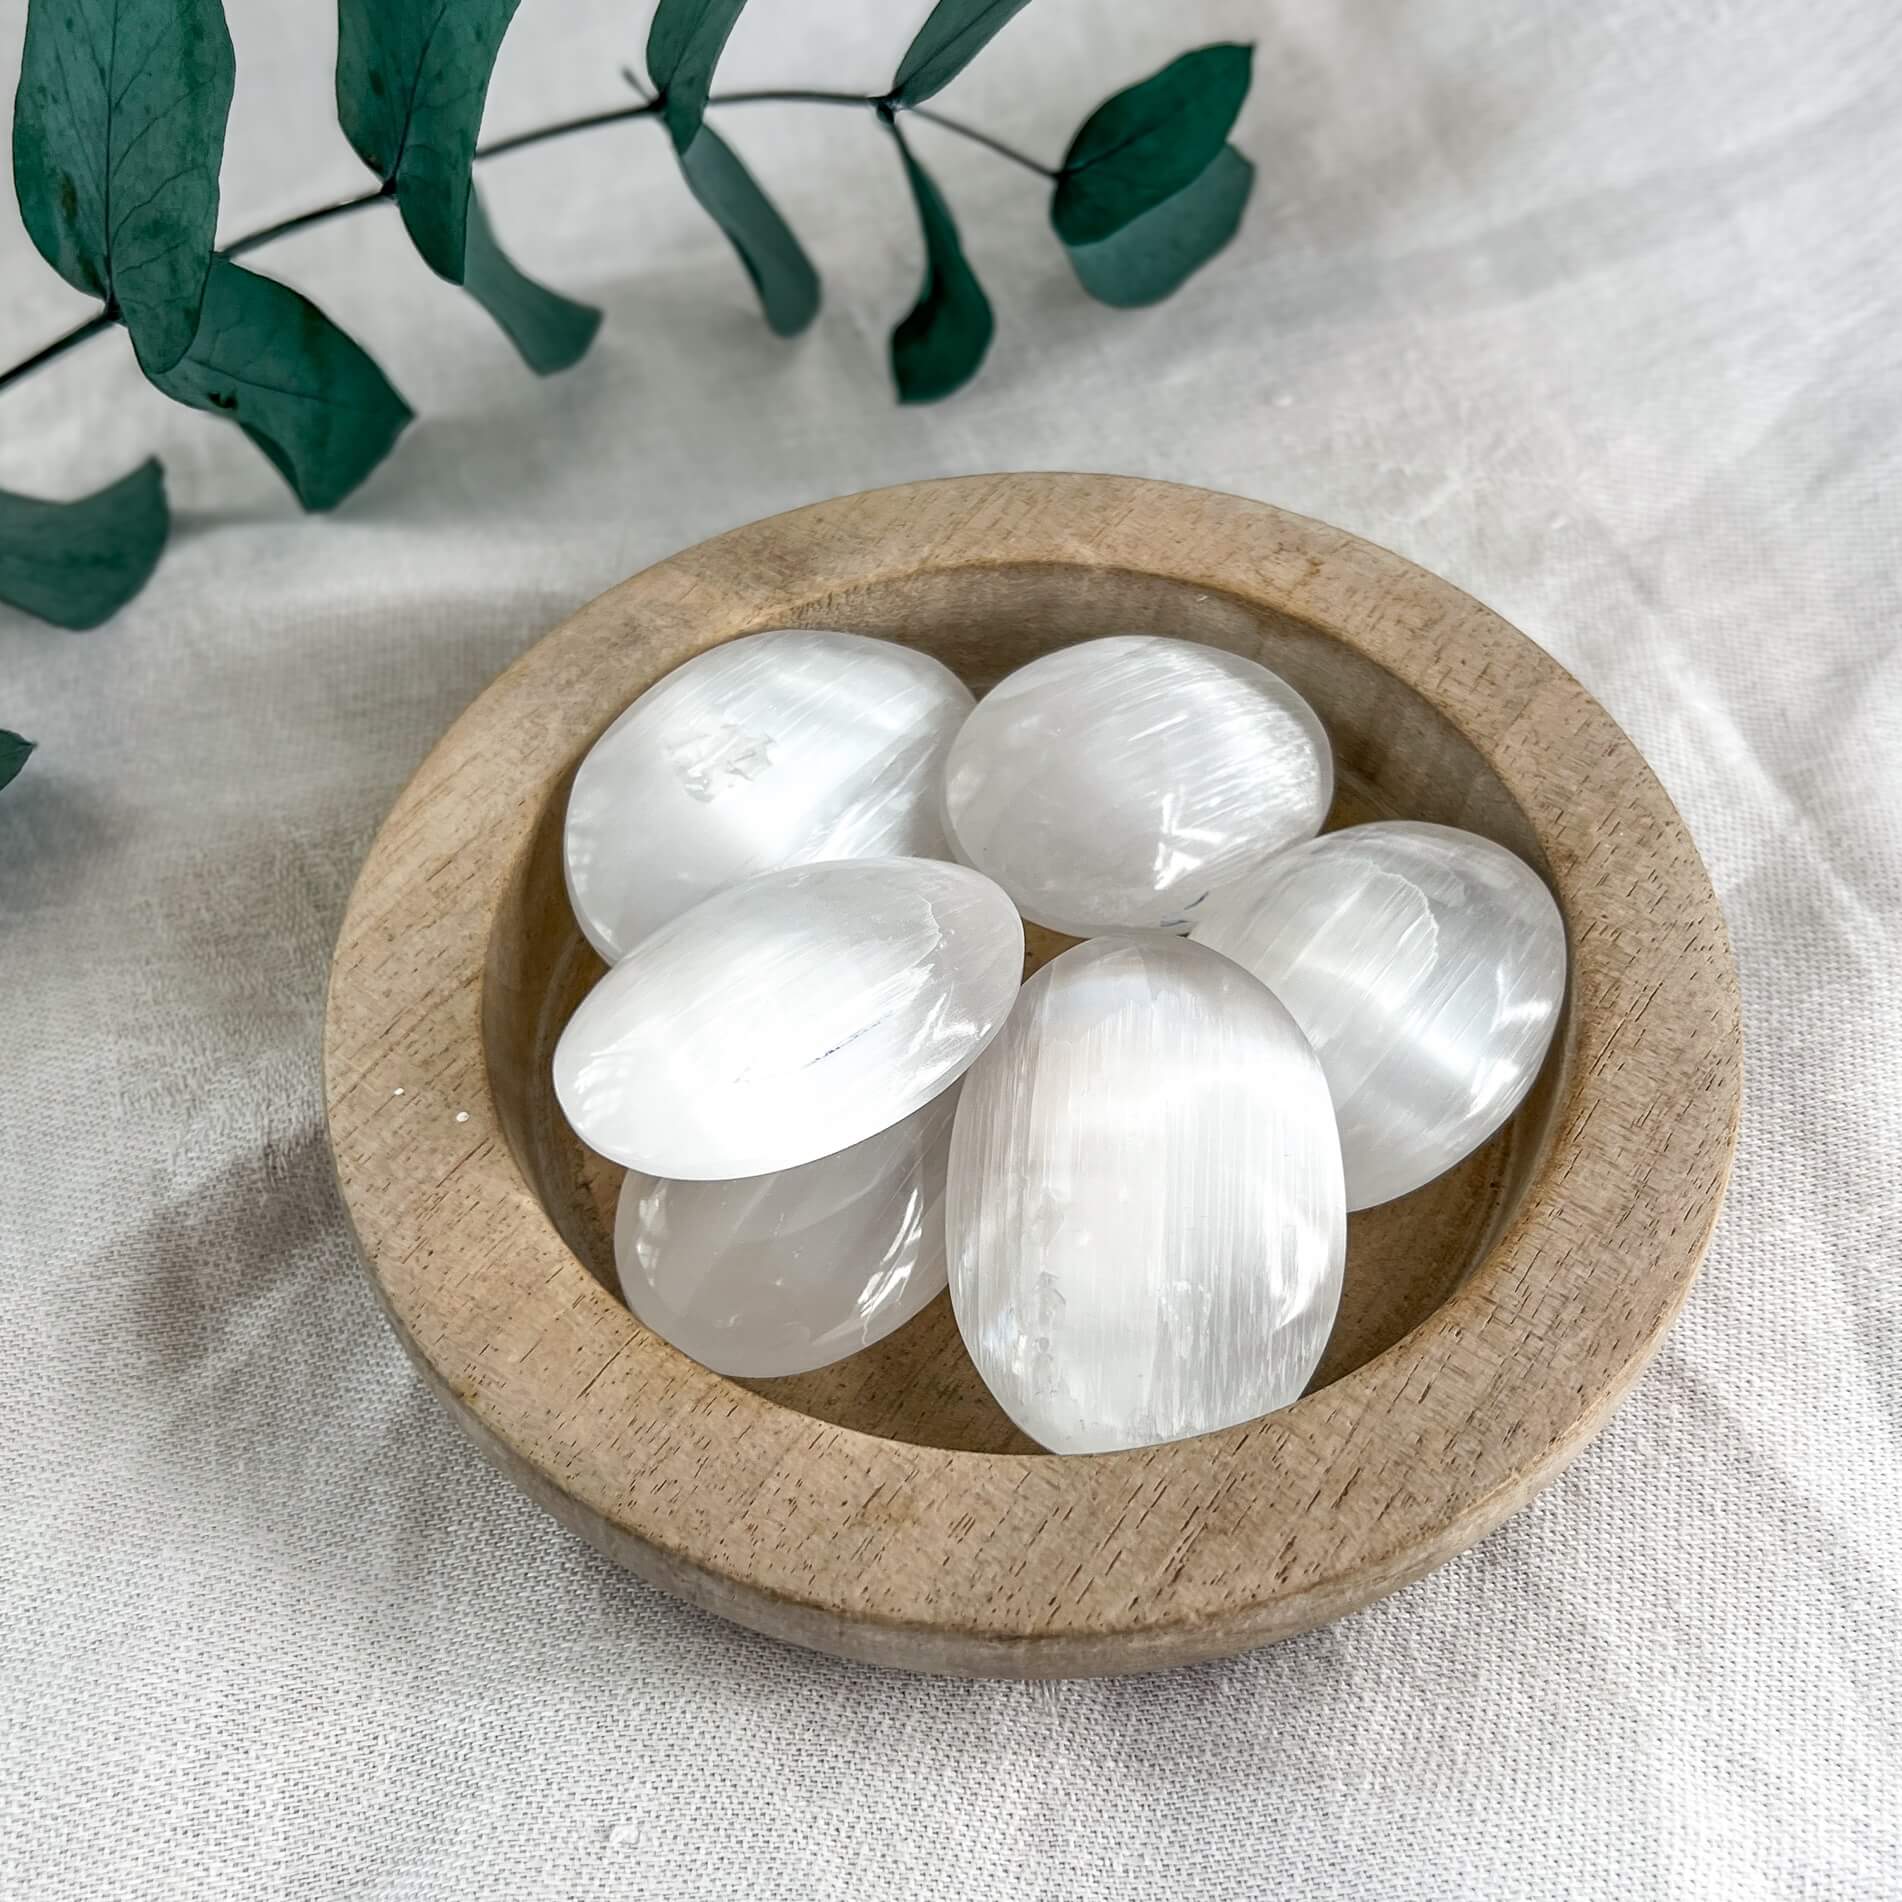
<point>936,1559</point>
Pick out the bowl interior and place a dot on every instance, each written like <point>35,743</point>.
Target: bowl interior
<point>1395,757</point>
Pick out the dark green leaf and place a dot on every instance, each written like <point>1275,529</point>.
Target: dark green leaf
<point>412,76</point>
<point>76,563</point>
<point>292,381</point>
<point>550,331</point>
<point>118,132</point>
<point>1143,146</point>
<point>13,755</point>
<point>950,39</point>
<point>788,286</point>
<point>1153,254</point>
<point>943,339</point>
<point>684,44</point>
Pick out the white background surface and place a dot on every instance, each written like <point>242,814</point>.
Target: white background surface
<point>1597,311</point>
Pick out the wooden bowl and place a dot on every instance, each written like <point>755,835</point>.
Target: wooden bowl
<point>884,1508</point>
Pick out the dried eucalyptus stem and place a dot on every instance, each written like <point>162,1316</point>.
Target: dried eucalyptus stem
<point>118,142</point>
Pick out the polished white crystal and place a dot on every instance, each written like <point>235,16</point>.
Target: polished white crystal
<point>1426,966</point>
<point>1144,1212</point>
<point>776,749</point>
<point>1114,784</point>
<point>790,1016</point>
<point>782,1273</point>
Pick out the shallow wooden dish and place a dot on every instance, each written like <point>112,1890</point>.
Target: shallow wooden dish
<point>884,1508</point>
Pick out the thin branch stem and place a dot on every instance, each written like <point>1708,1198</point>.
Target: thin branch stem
<point>795,98</point>
<point>302,221</point>
<point>984,139</point>
<point>92,327</point>
<point>521,141</point>
<point>971,132</point>
<point>518,142</point>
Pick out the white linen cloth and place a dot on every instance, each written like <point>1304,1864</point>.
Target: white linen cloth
<point>1596,311</point>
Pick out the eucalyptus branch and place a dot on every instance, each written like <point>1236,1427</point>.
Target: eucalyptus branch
<point>1148,191</point>
<point>520,142</point>
<point>322,214</point>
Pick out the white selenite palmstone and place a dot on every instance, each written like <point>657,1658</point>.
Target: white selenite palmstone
<point>1113,785</point>
<point>790,1016</point>
<point>1426,966</point>
<point>776,749</point>
<point>782,1273</point>
<point>1144,1212</point>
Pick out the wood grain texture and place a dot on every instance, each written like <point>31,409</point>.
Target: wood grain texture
<point>883,1508</point>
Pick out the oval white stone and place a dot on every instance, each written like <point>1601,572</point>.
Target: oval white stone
<point>790,1016</point>
<point>1114,784</point>
<point>1426,966</point>
<point>1144,1212</point>
<point>782,1273</point>
<point>776,749</point>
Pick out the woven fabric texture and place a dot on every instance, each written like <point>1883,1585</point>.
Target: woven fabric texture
<point>1596,311</point>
